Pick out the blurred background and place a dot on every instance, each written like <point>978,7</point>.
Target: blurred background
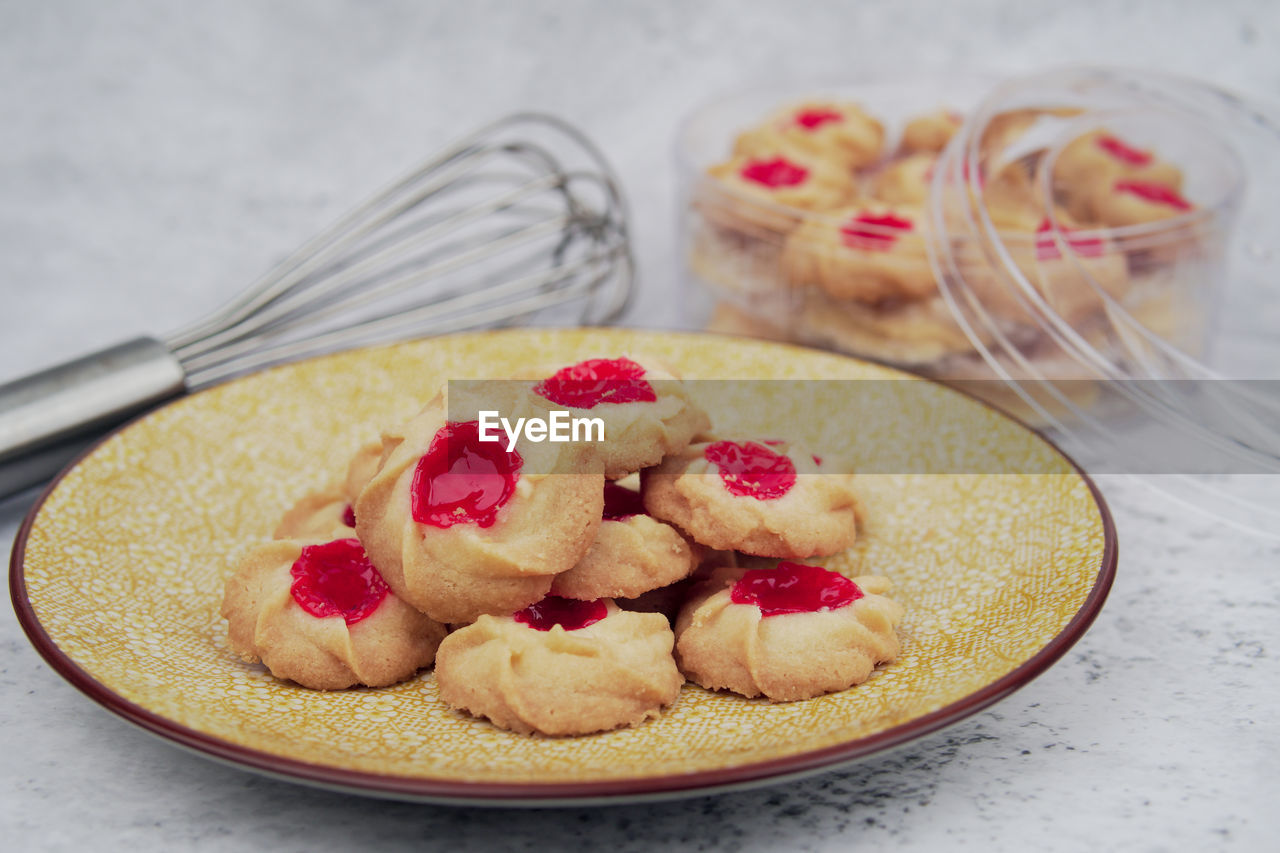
<point>155,157</point>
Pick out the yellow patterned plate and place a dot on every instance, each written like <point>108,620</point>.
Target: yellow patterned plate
<point>117,576</point>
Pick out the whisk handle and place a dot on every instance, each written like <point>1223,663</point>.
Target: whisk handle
<point>48,417</point>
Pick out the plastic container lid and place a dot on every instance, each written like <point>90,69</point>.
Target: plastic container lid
<point>1177,378</point>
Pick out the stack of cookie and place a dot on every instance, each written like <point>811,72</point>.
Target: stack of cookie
<point>542,577</point>
<point>816,230</point>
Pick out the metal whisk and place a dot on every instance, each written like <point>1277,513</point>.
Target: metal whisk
<point>520,222</point>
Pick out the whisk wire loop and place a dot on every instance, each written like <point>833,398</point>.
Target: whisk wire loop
<point>520,222</point>
<point>448,246</point>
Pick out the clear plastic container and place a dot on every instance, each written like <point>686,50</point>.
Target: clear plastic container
<point>747,257</point>
<point>1092,249</point>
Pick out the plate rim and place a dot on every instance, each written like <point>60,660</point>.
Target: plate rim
<point>578,793</point>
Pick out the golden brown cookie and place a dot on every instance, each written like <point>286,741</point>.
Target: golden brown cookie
<point>790,632</point>
<point>767,194</point>
<point>632,554</point>
<point>840,133</point>
<point>1011,199</point>
<point>647,412</point>
<point>330,512</point>
<point>728,318</point>
<point>361,468</point>
<point>757,498</point>
<point>1071,270</point>
<point>913,333</point>
<point>665,600</point>
<point>737,267</point>
<point>319,614</point>
<point>460,526</point>
<point>1074,269</point>
<point>905,180</point>
<point>930,133</point>
<point>1088,168</point>
<point>1129,201</point>
<point>326,513</point>
<point>870,253</point>
<point>561,667</point>
<point>1005,129</point>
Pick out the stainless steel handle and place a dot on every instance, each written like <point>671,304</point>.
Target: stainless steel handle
<point>49,417</point>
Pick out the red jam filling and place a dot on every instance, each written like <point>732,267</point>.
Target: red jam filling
<point>337,579</point>
<point>349,515</point>
<point>777,442</point>
<point>1154,193</point>
<point>875,232</point>
<point>813,119</point>
<point>794,588</point>
<point>752,470</point>
<point>774,173</point>
<point>461,479</point>
<point>1121,150</point>
<point>565,612</point>
<point>589,383</point>
<point>1047,246</point>
<point>979,179</point>
<point>621,503</point>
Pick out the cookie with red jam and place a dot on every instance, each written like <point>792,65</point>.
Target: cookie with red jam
<point>1087,171</point>
<point>791,632</point>
<point>561,667</point>
<point>1131,201</point>
<point>330,512</point>
<point>918,332</point>
<point>633,553</point>
<point>870,253</point>
<point>460,526</point>
<point>929,133</point>
<point>318,514</point>
<point>318,613</point>
<point>764,195</point>
<point>1074,270</point>
<point>837,132</point>
<point>905,180</point>
<point>646,410</point>
<point>763,498</point>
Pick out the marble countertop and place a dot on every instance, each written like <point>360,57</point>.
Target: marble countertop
<point>155,156</point>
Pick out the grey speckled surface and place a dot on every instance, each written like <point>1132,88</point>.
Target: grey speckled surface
<point>153,157</point>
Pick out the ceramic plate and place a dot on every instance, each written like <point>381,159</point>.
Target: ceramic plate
<point>117,577</point>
